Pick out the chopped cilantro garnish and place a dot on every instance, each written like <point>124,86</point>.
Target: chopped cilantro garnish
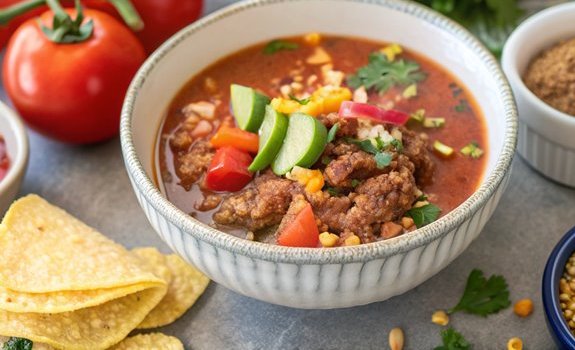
<point>325,160</point>
<point>303,101</point>
<point>17,344</point>
<point>279,45</point>
<point>383,159</point>
<point>334,192</point>
<point>381,74</point>
<point>398,145</point>
<point>424,215</point>
<point>355,182</point>
<point>462,106</point>
<point>472,150</point>
<point>483,296</point>
<point>453,340</point>
<point>332,132</point>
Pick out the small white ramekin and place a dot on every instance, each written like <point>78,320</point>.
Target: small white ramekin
<point>14,133</point>
<point>546,135</point>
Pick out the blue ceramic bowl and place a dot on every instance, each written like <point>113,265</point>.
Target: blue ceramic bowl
<point>553,272</point>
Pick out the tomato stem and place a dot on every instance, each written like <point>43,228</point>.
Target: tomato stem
<point>129,14</point>
<point>66,30</point>
<point>9,13</point>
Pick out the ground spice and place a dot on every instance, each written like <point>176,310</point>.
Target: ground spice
<point>551,76</point>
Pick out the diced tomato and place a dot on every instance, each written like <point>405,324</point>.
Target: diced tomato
<point>228,170</point>
<point>237,138</point>
<point>350,109</point>
<point>302,232</point>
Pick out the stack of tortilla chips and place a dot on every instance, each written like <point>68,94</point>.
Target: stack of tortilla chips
<point>63,285</point>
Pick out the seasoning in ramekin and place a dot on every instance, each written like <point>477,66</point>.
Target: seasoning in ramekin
<point>567,293</point>
<point>551,76</point>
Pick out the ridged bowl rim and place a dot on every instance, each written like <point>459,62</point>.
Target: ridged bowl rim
<point>360,253</point>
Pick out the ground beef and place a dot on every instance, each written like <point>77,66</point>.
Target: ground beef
<point>347,127</point>
<point>192,164</point>
<point>357,165</point>
<point>416,148</point>
<point>210,202</point>
<point>259,206</point>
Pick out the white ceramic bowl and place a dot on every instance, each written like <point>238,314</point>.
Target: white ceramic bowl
<point>14,133</point>
<point>306,277</point>
<point>546,135</point>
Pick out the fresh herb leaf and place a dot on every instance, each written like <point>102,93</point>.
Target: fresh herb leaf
<point>453,340</point>
<point>483,296</point>
<point>398,145</point>
<point>365,145</point>
<point>355,183</point>
<point>17,344</point>
<point>334,192</point>
<point>325,160</point>
<point>462,106</point>
<point>490,20</point>
<point>279,45</point>
<point>381,74</point>
<point>422,198</point>
<point>424,215</point>
<point>383,159</point>
<point>332,132</point>
<point>303,101</point>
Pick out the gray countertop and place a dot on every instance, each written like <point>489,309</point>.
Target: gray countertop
<point>91,183</point>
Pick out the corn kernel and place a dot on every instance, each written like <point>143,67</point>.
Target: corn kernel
<point>311,179</point>
<point>285,106</point>
<point>313,108</point>
<point>440,317</point>
<point>523,307</point>
<point>312,39</point>
<point>320,56</point>
<point>407,222</point>
<point>396,339</point>
<point>515,344</point>
<point>391,51</point>
<point>328,240</point>
<point>332,97</point>
<point>315,184</point>
<point>352,240</point>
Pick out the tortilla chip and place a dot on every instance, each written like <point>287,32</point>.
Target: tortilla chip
<point>35,346</point>
<point>44,249</point>
<point>156,341</point>
<point>155,262</point>
<point>185,288</point>
<point>92,328</point>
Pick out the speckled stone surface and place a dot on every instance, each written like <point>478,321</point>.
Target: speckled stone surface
<point>91,183</point>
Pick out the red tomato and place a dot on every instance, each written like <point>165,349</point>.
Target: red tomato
<point>228,170</point>
<point>302,232</point>
<point>72,92</point>
<point>163,18</point>
<point>7,30</point>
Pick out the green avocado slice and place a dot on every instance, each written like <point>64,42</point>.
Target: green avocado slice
<point>248,106</point>
<point>304,143</point>
<point>272,133</point>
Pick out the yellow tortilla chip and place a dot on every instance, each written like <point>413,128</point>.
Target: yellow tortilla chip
<point>185,288</point>
<point>44,249</point>
<point>155,341</point>
<point>155,261</point>
<point>94,328</point>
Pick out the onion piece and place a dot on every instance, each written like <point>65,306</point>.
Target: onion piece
<point>350,109</point>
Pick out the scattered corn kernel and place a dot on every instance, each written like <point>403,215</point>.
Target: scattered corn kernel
<point>440,317</point>
<point>311,179</point>
<point>396,339</point>
<point>328,240</point>
<point>420,204</point>
<point>410,91</point>
<point>391,51</point>
<point>312,39</point>
<point>407,222</point>
<point>523,307</point>
<point>515,344</point>
<point>332,97</point>
<point>352,240</point>
<point>320,56</point>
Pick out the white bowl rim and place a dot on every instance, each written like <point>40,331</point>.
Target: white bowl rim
<point>512,46</point>
<point>19,161</point>
<point>361,253</point>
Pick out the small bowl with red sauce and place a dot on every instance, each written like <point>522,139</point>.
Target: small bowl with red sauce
<point>462,87</point>
<point>13,155</point>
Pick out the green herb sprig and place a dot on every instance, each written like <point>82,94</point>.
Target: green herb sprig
<point>424,215</point>
<point>275,46</point>
<point>453,340</point>
<point>483,296</point>
<point>379,149</point>
<point>380,74</point>
<point>17,344</point>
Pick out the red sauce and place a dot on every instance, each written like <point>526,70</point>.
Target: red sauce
<point>455,178</point>
<point>4,159</point>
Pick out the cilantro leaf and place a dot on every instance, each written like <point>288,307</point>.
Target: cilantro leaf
<point>381,74</point>
<point>17,344</point>
<point>279,45</point>
<point>492,21</point>
<point>334,192</point>
<point>383,159</point>
<point>355,182</point>
<point>453,340</point>
<point>332,132</point>
<point>303,101</point>
<point>462,106</point>
<point>365,145</point>
<point>424,215</point>
<point>483,296</point>
<point>398,145</point>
